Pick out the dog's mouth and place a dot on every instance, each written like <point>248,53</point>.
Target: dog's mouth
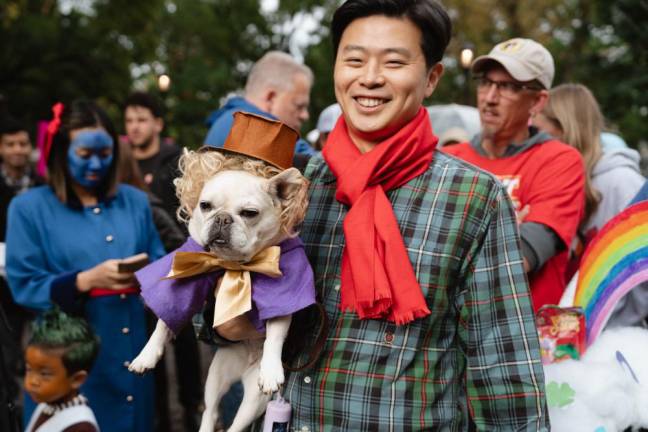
<point>218,241</point>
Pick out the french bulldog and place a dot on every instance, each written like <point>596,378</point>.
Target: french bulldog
<point>238,214</point>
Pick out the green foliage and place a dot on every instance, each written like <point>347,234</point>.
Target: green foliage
<point>48,55</point>
<point>207,47</point>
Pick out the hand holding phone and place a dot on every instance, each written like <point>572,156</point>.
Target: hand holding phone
<point>133,263</point>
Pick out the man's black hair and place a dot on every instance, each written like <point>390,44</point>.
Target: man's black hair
<point>428,15</point>
<point>10,125</point>
<point>145,100</point>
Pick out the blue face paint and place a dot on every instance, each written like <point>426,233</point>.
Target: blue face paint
<point>89,157</point>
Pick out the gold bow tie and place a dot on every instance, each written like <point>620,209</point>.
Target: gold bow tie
<point>234,294</point>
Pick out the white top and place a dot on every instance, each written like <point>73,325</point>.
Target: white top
<point>62,419</point>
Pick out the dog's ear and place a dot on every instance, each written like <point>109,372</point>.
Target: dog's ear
<point>286,184</point>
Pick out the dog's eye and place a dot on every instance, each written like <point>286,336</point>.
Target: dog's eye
<point>249,213</point>
<point>205,206</point>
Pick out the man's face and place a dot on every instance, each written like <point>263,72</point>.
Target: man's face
<point>380,75</point>
<point>291,106</point>
<point>504,115</point>
<point>141,126</point>
<point>15,149</point>
<point>46,379</point>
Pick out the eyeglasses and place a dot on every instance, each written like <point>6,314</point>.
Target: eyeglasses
<point>508,89</point>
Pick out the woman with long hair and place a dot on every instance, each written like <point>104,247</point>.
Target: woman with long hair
<point>613,178</point>
<point>65,242</point>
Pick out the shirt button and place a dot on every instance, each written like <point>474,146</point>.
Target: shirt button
<point>109,238</point>
<point>129,398</point>
<point>122,296</point>
<point>337,287</point>
<point>125,330</point>
<point>126,363</point>
<point>96,210</point>
<point>307,380</point>
<point>389,337</point>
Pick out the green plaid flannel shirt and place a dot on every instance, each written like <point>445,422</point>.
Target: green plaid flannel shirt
<point>473,363</point>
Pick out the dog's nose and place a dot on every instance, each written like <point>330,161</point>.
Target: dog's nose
<point>223,219</point>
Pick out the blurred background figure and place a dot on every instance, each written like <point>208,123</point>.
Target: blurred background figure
<point>65,241</point>
<point>325,124</point>
<point>450,119</point>
<point>155,162</point>
<point>277,87</point>
<point>572,115</point>
<point>543,176</point>
<point>167,227</point>
<point>17,175</point>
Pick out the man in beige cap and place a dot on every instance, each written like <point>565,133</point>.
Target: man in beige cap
<point>543,176</point>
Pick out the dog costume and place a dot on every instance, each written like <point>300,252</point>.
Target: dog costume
<point>177,286</point>
<point>175,301</point>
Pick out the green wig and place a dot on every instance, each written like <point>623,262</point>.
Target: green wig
<point>58,331</point>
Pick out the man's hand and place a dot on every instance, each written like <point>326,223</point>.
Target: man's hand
<point>238,329</point>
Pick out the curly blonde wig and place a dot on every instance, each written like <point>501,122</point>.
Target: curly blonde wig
<point>197,167</point>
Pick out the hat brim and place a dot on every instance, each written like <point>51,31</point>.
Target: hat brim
<point>207,148</point>
<point>516,68</point>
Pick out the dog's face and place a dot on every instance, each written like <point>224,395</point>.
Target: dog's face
<point>239,214</point>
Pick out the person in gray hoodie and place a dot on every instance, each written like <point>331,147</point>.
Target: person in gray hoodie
<point>613,177</point>
<point>612,181</point>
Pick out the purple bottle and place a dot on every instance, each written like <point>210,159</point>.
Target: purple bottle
<point>277,416</point>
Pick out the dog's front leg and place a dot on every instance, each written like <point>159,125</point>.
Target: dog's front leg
<point>153,350</point>
<point>271,373</point>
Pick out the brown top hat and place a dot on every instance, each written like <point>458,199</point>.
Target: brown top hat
<point>259,137</point>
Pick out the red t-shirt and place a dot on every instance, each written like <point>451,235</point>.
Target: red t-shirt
<point>550,178</point>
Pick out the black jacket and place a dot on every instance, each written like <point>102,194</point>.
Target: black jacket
<point>159,172</point>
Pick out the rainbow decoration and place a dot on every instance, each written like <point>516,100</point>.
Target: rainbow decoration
<point>615,262</point>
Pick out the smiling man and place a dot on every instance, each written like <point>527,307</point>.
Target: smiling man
<point>415,253</point>
<point>545,178</point>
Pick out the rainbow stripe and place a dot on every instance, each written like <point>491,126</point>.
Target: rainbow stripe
<point>615,262</point>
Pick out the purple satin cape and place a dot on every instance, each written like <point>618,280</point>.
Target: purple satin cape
<point>175,301</point>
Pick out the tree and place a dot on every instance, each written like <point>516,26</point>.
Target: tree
<point>49,55</point>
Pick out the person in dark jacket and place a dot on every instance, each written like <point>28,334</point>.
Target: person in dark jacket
<point>16,176</point>
<point>158,166</point>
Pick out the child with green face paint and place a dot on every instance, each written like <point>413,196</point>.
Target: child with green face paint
<point>58,359</point>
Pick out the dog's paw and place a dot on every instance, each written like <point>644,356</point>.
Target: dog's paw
<point>271,375</point>
<point>145,361</point>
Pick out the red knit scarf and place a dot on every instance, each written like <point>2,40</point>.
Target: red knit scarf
<point>378,280</point>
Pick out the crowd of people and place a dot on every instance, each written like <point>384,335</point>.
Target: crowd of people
<point>430,262</point>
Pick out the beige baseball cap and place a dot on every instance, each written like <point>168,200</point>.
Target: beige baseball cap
<point>524,59</point>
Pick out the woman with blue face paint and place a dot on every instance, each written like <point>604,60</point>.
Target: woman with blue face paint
<point>64,243</point>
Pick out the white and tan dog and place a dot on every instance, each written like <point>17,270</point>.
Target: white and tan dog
<point>236,207</point>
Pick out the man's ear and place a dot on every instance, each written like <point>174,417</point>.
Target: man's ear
<point>268,99</point>
<point>541,100</point>
<point>434,75</point>
<point>159,125</point>
<point>286,184</point>
<point>78,378</point>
